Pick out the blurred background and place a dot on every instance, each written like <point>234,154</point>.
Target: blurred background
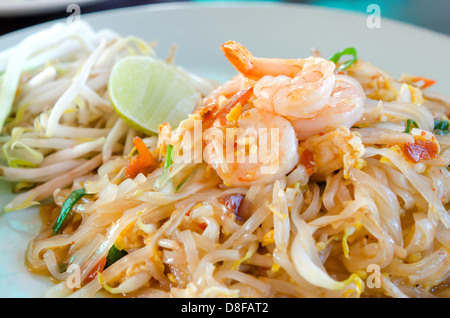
<point>431,14</point>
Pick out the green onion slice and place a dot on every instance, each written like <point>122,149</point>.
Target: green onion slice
<point>348,51</point>
<point>168,160</point>
<point>410,123</point>
<point>182,182</point>
<point>67,206</point>
<point>114,254</point>
<point>441,124</point>
<point>441,127</point>
<point>164,177</point>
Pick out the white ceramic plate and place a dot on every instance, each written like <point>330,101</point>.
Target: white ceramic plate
<point>16,8</point>
<point>268,29</point>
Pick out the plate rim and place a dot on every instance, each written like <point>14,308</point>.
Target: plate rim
<point>183,5</point>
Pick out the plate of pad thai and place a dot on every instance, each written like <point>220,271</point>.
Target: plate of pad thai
<point>295,171</point>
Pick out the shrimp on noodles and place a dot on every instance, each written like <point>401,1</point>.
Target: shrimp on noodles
<point>344,108</point>
<point>265,149</point>
<point>305,90</point>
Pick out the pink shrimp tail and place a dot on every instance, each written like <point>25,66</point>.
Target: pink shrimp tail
<point>238,56</point>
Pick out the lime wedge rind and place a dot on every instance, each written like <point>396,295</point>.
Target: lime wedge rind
<point>146,92</point>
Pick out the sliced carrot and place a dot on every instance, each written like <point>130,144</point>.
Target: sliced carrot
<point>142,162</point>
<point>427,82</point>
<point>97,269</point>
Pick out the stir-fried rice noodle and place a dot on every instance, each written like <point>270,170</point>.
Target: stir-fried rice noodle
<point>361,212</point>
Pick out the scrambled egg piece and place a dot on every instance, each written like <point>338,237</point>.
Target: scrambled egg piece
<point>234,114</point>
<point>130,238</point>
<point>337,149</point>
<point>410,94</point>
<point>268,238</point>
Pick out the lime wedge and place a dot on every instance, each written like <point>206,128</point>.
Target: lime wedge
<point>147,92</point>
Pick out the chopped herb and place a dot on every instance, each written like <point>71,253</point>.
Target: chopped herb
<point>114,254</point>
<point>441,124</point>
<point>348,51</point>
<point>168,160</point>
<point>410,122</point>
<point>66,208</point>
<point>164,177</point>
<point>441,127</point>
<point>442,132</point>
<point>183,182</point>
<point>142,162</point>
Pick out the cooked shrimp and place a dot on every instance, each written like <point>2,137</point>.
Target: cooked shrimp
<point>344,108</point>
<point>306,91</point>
<point>261,148</point>
<point>290,87</point>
